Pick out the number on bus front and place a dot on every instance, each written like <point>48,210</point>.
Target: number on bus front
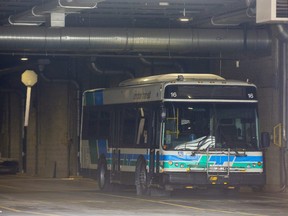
<point>250,95</point>
<point>173,94</point>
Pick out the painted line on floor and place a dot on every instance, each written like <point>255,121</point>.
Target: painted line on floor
<point>26,212</point>
<point>182,206</point>
<point>10,187</point>
<point>273,197</point>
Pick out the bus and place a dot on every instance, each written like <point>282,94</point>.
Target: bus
<point>173,131</point>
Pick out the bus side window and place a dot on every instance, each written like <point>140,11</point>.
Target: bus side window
<point>129,126</point>
<point>96,124</point>
<point>103,125</point>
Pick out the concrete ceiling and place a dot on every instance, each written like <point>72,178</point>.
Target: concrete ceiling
<point>66,24</point>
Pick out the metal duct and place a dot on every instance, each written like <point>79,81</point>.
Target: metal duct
<point>85,40</point>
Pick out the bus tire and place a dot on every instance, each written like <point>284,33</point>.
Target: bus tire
<point>103,175</point>
<point>141,177</point>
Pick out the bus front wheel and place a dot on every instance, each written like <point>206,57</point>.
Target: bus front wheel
<point>103,177</point>
<point>141,177</point>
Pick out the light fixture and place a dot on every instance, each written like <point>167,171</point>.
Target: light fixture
<point>184,18</point>
<point>29,78</point>
<point>24,58</point>
<point>163,3</point>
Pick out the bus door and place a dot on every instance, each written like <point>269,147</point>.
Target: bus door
<point>115,140</point>
<point>146,135</point>
<point>154,131</point>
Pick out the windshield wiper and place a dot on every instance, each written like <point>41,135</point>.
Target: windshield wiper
<point>239,154</point>
<point>199,144</point>
<point>203,142</point>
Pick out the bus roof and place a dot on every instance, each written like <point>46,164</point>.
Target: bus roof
<point>157,88</point>
<point>170,78</point>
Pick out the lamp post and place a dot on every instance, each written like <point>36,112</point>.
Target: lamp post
<point>29,78</point>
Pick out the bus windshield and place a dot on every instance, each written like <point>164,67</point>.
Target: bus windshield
<point>202,126</point>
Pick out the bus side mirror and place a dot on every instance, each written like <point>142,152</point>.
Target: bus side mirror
<point>265,139</point>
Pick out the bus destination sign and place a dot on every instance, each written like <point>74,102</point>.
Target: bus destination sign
<point>210,92</point>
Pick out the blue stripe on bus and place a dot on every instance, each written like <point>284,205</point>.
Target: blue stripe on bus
<point>177,158</point>
<point>132,156</point>
<point>98,97</point>
<point>249,158</point>
<point>218,159</point>
<point>102,147</point>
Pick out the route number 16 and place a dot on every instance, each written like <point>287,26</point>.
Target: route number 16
<point>173,94</point>
<point>250,95</point>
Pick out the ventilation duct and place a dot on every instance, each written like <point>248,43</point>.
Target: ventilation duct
<point>40,39</point>
<point>271,11</point>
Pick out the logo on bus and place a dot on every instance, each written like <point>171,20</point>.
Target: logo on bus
<point>142,96</point>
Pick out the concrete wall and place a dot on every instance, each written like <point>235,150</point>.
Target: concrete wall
<point>56,131</point>
<point>10,124</point>
<point>264,72</point>
<point>52,135</point>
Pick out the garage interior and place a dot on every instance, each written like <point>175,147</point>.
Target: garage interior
<point>76,45</point>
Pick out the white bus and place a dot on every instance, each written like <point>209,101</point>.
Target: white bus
<point>173,131</point>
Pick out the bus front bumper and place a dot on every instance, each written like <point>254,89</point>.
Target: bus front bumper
<point>182,180</point>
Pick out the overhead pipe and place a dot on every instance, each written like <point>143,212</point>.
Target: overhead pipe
<point>247,13</point>
<point>176,65</point>
<point>78,4</point>
<point>27,18</point>
<point>281,31</point>
<point>93,40</point>
<point>39,13</point>
<point>98,71</point>
<point>234,18</point>
<point>65,6</point>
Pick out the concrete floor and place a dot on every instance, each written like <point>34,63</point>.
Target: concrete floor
<point>23,195</point>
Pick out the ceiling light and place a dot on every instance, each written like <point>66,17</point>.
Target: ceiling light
<point>184,18</point>
<point>24,58</point>
<point>163,3</point>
